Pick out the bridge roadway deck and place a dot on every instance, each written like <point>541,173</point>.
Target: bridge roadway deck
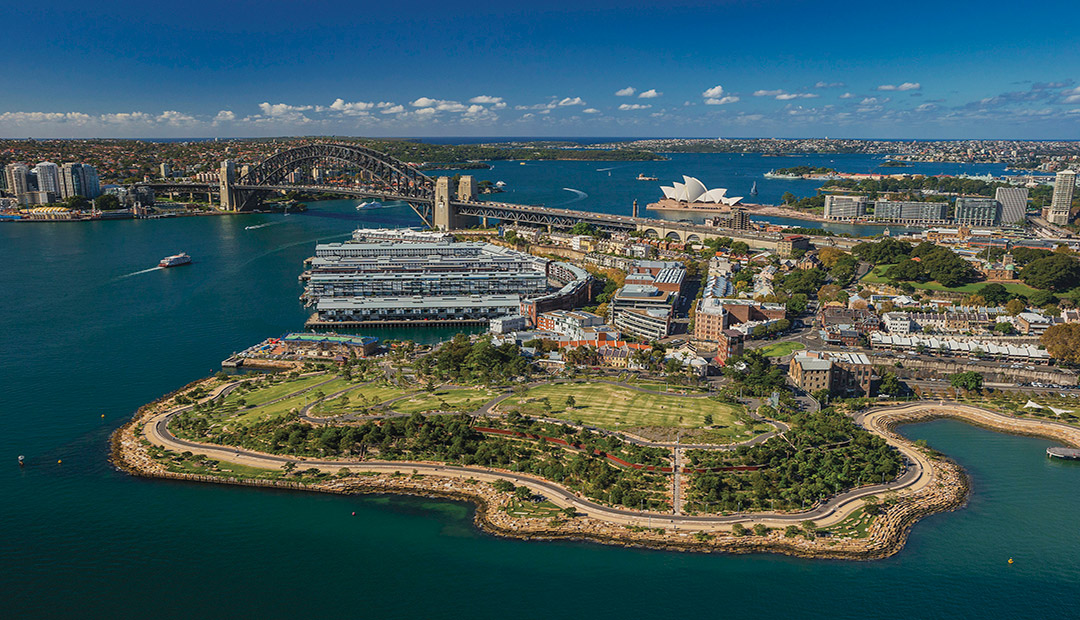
<point>529,214</point>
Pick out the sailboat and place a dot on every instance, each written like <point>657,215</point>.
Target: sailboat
<point>753,189</point>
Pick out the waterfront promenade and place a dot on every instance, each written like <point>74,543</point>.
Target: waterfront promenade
<point>921,476</point>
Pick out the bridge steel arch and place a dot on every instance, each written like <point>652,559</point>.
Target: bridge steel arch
<point>396,177</point>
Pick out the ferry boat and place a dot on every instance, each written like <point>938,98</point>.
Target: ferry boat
<point>753,189</point>
<point>175,260</point>
<point>368,205</point>
<point>642,177</point>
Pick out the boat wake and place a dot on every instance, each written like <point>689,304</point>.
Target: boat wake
<point>609,169</point>
<point>135,273</point>
<point>579,196</point>
<point>257,226</point>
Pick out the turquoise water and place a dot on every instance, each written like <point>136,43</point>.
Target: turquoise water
<point>82,337</point>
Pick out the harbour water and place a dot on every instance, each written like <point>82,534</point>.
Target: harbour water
<point>90,330</point>
<point>612,187</point>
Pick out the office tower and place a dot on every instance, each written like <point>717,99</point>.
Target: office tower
<point>1061,203</point>
<point>1013,204</point>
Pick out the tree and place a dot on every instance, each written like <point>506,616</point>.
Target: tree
<point>740,248</point>
<point>523,493</point>
<point>791,531</point>
<point>708,419</point>
<point>738,529</point>
<point>1004,328</point>
<point>570,512</point>
<point>995,294</point>
<point>1062,342</point>
<point>829,255</point>
<point>503,486</point>
<point>1015,307</point>
<point>788,198</point>
<point>107,202</point>
<point>796,304</point>
<point>970,381</point>
<point>760,529</point>
<point>890,384</point>
<point>77,203</point>
<point>1057,272</point>
<point>570,402</point>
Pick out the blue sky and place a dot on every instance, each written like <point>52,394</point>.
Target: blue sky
<point>733,69</point>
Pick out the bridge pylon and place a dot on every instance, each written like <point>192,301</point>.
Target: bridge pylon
<point>227,178</point>
<point>444,215</point>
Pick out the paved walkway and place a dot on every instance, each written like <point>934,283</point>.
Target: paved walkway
<point>918,472</point>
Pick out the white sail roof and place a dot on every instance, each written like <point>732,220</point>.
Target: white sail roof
<point>693,190</point>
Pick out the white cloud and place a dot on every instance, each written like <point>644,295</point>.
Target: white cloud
<point>904,86</point>
<point>571,101</point>
<point>633,106</point>
<point>926,107</point>
<point>225,116</point>
<point>790,96</point>
<point>650,94</point>
<point>768,93</point>
<point>20,118</point>
<point>626,92</point>
<point>591,111</point>
<point>439,105</point>
<point>847,96</point>
<point>282,109</point>
<point>176,119</point>
<point>356,108</point>
<point>425,112</point>
<point>124,118</point>
<point>716,92</point>
<point>721,100</point>
<point>829,85</point>
<point>394,109</point>
<point>486,100</point>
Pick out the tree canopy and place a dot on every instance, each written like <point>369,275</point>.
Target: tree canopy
<point>1062,342</point>
<point>1056,272</point>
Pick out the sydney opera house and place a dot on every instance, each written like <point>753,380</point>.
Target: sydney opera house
<point>693,190</point>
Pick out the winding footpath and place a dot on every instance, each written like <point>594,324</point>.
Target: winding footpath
<point>918,473</point>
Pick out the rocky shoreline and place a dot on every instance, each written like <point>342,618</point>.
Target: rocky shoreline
<point>946,490</point>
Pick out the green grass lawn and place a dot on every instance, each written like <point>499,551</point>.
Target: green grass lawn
<point>876,276</point>
<point>540,510</point>
<point>277,390</point>
<point>274,409</point>
<point>780,349</point>
<point>359,398</point>
<point>611,406</point>
<point>464,400</point>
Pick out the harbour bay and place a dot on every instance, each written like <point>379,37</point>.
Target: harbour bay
<point>89,332</point>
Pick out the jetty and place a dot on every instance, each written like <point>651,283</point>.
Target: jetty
<point>1058,452</point>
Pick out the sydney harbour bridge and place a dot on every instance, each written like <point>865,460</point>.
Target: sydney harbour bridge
<point>381,177</point>
<point>384,178</point>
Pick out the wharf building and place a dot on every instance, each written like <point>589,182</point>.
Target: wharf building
<point>392,282</point>
<point>1061,203</point>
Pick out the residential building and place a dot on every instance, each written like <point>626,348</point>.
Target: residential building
<point>79,180</point>
<point>1061,203</point>
<point>1034,324</point>
<point>729,344</point>
<point>899,323</point>
<point>575,324</point>
<point>789,244</point>
<point>977,212</point>
<point>642,310</point>
<point>906,212</point>
<point>840,373</point>
<point>17,179</point>
<point>508,324</point>
<point>1013,202</point>
<point>842,208</point>
<point>48,178</point>
<point>381,310</point>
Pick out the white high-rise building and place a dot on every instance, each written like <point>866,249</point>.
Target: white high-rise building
<point>48,177</point>
<point>1061,204</point>
<point>15,175</point>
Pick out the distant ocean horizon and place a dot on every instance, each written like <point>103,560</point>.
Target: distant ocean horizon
<point>583,140</point>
